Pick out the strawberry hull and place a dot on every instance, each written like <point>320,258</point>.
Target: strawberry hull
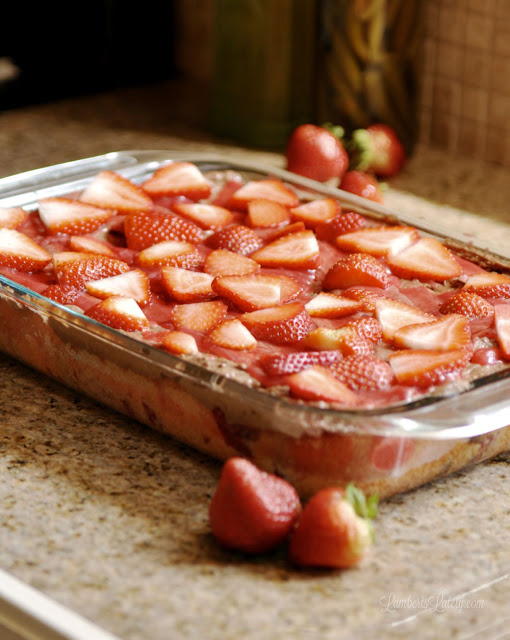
<point>215,400</point>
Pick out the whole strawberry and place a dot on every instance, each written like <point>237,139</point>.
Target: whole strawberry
<point>251,510</point>
<point>334,529</point>
<point>362,184</point>
<point>317,152</point>
<point>378,150</point>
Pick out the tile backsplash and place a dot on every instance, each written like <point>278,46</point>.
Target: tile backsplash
<point>465,84</point>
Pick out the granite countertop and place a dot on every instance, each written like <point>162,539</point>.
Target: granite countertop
<point>110,518</point>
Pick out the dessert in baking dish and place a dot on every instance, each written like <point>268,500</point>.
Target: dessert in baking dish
<point>308,300</point>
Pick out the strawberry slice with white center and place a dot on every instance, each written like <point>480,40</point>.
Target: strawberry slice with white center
<point>178,178</point>
<point>489,285</point>
<point>236,238</point>
<point>340,224</point>
<point>20,252</point>
<point>144,230</point>
<point>227,263</point>
<point>319,384</point>
<point>295,251</point>
<point>63,215</point>
<point>468,304</point>
<point>364,296</point>
<point>172,253</point>
<point>198,316</point>
<point>426,368</point>
<point>85,244</point>
<point>426,259</point>
<point>285,324</point>
<point>232,334</point>
<point>316,211</point>
<point>357,269</point>
<point>187,286</point>
<point>363,373</point>
<point>328,305</point>
<point>378,241</point>
<point>444,334</point>
<point>270,189</point>
<point>120,313</point>
<point>132,284</point>
<point>502,318</point>
<point>256,291</point>
<point>264,213</point>
<point>287,230</point>
<point>113,191</point>
<point>206,216</point>
<point>180,343</point>
<point>393,315</point>
<point>75,269</point>
<point>345,339</point>
<point>283,364</point>
<point>12,217</point>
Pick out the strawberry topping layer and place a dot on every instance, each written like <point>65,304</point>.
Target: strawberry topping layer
<point>325,305</point>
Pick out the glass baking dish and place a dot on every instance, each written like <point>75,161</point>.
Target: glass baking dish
<point>382,450</point>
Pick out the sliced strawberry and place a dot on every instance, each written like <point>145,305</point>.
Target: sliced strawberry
<point>63,215</point>
<point>287,230</point>
<point>340,224</point>
<point>232,334</point>
<point>502,317</point>
<point>286,324</point>
<point>363,373</point>
<point>120,313</point>
<point>20,252</point>
<point>85,244</point>
<point>180,343</point>
<point>447,333</point>
<point>187,286</point>
<point>426,368</point>
<point>333,531</point>
<point>12,217</point>
<point>295,251</point>
<point>75,269</point>
<point>345,339</point>
<point>393,315</point>
<point>132,284</point>
<point>172,253</point>
<point>63,295</point>
<point>468,304</point>
<point>378,241</point>
<point>489,285</point>
<point>283,364</point>
<point>367,297</point>
<point>236,238</point>
<point>256,291</point>
<point>328,305</point>
<point>270,189</point>
<point>367,328</point>
<point>226,263</point>
<point>178,178</point>
<point>427,259</point>
<point>251,510</point>
<point>316,211</point>
<point>318,383</point>
<point>265,213</point>
<point>354,270</point>
<point>198,316</point>
<point>113,191</point>
<point>144,230</point>
<point>206,216</point>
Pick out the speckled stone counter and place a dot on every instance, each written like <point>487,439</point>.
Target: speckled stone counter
<point>110,518</point>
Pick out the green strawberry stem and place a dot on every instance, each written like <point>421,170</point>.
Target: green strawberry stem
<point>337,130</point>
<point>361,150</point>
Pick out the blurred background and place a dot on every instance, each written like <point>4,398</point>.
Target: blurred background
<point>437,71</point>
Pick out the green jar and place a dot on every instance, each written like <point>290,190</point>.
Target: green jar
<point>264,69</point>
<point>368,64</point>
